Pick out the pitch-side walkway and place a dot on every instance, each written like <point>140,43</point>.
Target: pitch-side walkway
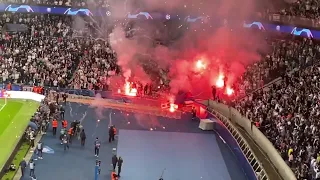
<point>27,158</point>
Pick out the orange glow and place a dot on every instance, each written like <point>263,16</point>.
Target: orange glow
<point>129,91</point>
<point>200,64</point>
<point>229,91</point>
<point>220,82</point>
<point>173,107</point>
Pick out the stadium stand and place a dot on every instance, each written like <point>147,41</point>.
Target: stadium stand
<point>287,111</point>
<point>54,54</point>
<point>306,9</point>
<point>286,55</point>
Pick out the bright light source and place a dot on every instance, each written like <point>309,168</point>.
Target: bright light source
<point>220,82</point>
<point>229,91</point>
<point>173,107</point>
<point>200,64</point>
<point>129,91</point>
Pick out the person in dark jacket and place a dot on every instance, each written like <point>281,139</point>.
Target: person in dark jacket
<point>64,97</point>
<point>120,161</point>
<point>111,134</point>
<point>114,162</point>
<point>83,137</point>
<point>62,112</point>
<point>194,113</point>
<point>23,165</point>
<point>97,145</point>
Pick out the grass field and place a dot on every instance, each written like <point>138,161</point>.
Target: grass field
<point>14,118</point>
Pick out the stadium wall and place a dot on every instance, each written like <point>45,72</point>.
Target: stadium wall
<point>228,139</point>
<point>17,95</point>
<point>256,135</point>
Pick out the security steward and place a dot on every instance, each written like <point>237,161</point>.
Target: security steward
<point>54,126</point>
<point>65,124</point>
<point>70,133</point>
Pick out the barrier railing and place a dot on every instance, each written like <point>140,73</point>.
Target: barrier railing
<point>251,158</point>
<point>234,116</point>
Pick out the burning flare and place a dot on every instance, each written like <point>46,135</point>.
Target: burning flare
<point>173,107</point>
<point>128,90</point>
<point>220,81</point>
<point>200,65</point>
<point>229,91</point>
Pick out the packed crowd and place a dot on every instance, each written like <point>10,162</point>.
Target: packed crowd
<point>287,113</point>
<point>54,53</point>
<point>98,62</point>
<point>285,56</point>
<point>51,51</point>
<point>39,122</point>
<point>302,8</point>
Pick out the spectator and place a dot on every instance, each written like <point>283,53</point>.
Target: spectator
<point>288,114</point>
<point>285,56</point>
<point>306,9</point>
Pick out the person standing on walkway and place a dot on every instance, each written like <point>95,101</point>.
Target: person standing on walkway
<point>57,98</point>
<point>54,126</point>
<point>111,134</point>
<point>194,113</point>
<point>83,137</point>
<point>70,134</point>
<point>65,142</point>
<point>32,166</point>
<point>62,133</point>
<point>114,162</point>
<point>23,165</point>
<point>62,112</point>
<point>120,161</point>
<point>65,124</point>
<point>39,149</point>
<point>97,145</point>
<point>32,138</point>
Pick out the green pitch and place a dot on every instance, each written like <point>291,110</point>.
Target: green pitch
<point>15,115</point>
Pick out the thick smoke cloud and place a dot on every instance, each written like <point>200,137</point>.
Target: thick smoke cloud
<point>224,48</point>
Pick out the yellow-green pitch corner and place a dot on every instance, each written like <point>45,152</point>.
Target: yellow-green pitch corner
<point>15,114</point>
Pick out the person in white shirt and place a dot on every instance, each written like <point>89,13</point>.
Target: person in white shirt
<point>39,149</point>
<point>32,167</point>
<point>31,135</point>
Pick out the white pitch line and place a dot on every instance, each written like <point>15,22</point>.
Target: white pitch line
<point>3,107</point>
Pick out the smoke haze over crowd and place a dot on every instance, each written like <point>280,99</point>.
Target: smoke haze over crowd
<point>224,49</point>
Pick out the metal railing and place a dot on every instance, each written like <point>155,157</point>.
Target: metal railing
<point>244,147</point>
